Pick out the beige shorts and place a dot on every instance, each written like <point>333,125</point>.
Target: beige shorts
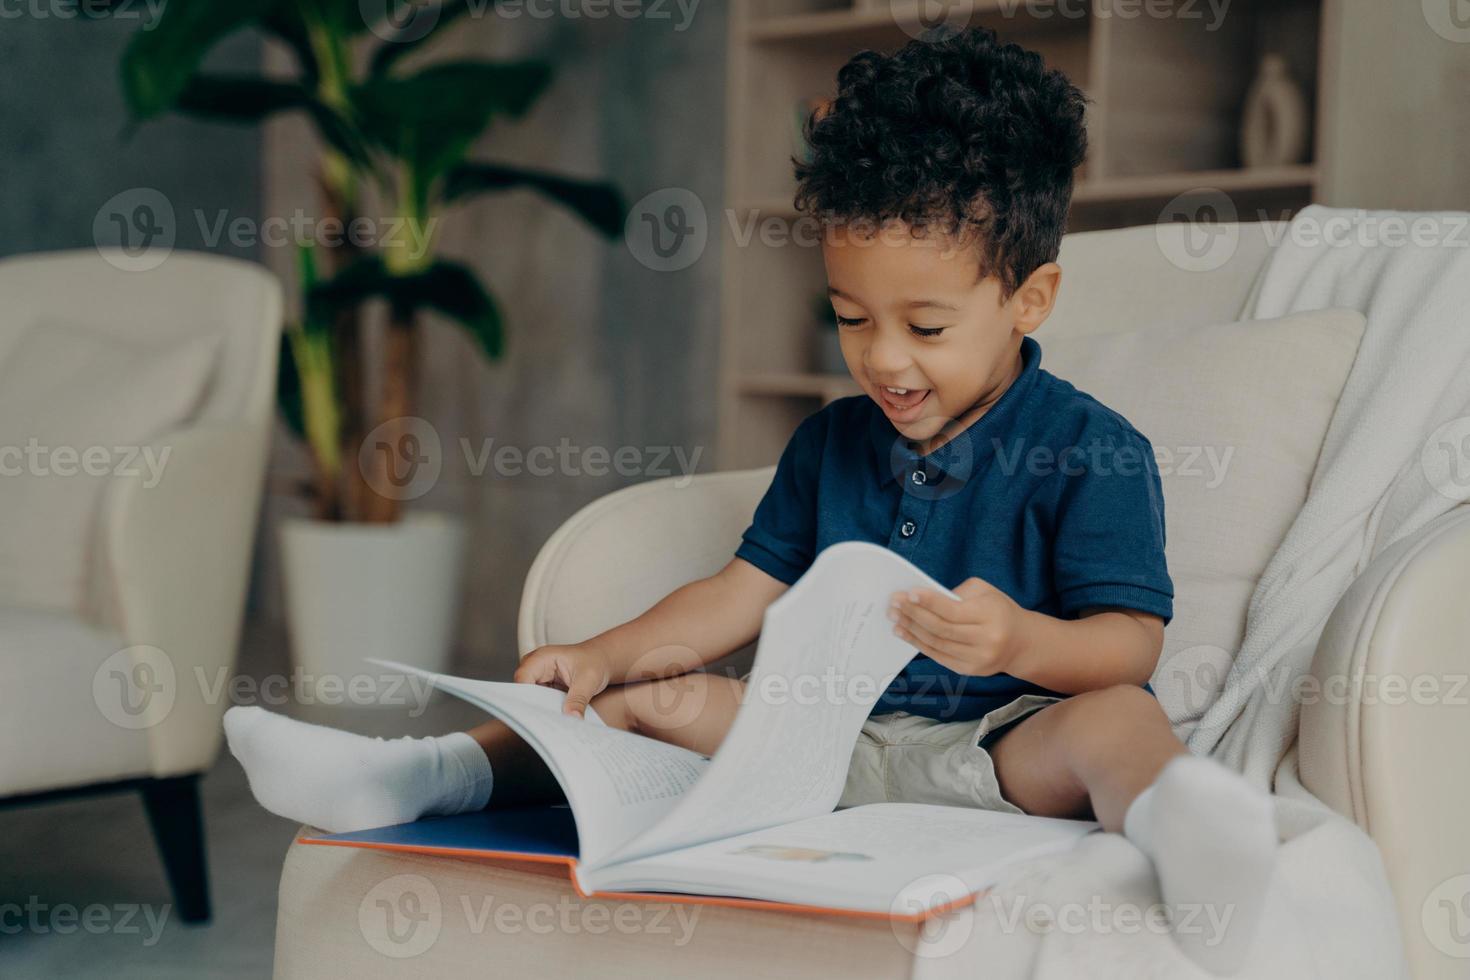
<point>906,758</point>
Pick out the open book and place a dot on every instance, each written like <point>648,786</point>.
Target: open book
<point>756,821</point>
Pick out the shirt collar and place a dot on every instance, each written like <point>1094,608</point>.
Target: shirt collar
<point>892,452</point>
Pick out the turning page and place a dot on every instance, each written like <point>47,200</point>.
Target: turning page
<point>617,783</point>
<point>826,654</point>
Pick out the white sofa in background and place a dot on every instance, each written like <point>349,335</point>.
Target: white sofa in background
<point>127,609</point>
<point>1386,766</point>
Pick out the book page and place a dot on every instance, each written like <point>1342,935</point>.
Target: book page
<point>616,782</point>
<point>897,858</point>
<point>826,654</point>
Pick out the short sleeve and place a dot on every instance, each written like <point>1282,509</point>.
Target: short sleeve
<point>782,536</point>
<point>1109,537</point>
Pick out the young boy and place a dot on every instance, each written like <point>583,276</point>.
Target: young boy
<point>941,176</point>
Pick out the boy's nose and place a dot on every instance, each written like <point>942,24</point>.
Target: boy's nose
<point>887,357</point>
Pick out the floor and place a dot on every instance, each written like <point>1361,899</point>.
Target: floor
<point>82,893</point>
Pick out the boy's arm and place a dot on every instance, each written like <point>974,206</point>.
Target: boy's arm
<point>987,632</point>
<point>1103,647</point>
<point>703,621</point>
<point>694,625</point>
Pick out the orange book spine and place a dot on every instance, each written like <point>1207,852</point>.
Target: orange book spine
<point>570,865</point>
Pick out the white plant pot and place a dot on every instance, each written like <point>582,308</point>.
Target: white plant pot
<point>355,591</point>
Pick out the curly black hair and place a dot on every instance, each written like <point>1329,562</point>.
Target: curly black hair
<point>958,133</point>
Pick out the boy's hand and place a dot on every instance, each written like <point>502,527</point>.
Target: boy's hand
<point>580,671</point>
<point>980,634</point>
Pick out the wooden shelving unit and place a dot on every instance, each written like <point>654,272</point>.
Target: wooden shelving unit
<point>1145,187</point>
<point>861,24</point>
<point>799,384</point>
<point>1165,99</point>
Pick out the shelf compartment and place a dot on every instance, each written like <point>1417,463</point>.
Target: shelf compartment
<point>1147,187</point>
<point>1143,187</point>
<point>799,384</point>
<point>884,27</point>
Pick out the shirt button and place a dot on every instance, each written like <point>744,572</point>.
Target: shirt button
<point>918,477</point>
<point>907,529</point>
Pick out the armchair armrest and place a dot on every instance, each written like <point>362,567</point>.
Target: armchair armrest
<point>624,551</point>
<point>173,569</point>
<point>1385,722</point>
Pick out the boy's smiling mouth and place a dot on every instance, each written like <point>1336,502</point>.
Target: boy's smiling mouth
<point>902,404</point>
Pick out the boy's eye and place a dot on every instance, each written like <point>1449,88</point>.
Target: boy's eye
<point>849,321</point>
<point>926,331</point>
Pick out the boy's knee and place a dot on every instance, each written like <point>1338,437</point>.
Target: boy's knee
<point>1118,697</point>
<point>662,708</point>
<point>673,707</point>
<point>1091,715</point>
<point>611,706</point>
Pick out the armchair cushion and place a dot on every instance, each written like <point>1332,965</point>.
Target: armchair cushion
<point>1237,414</point>
<point>76,408</point>
<point>61,720</point>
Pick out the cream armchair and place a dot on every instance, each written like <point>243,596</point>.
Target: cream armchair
<point>1383,765</point>
<point>121,694</point>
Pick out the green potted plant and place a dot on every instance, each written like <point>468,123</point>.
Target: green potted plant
<point>359,578</point>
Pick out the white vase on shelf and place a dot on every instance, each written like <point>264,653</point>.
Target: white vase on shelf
<point>1273,129</point>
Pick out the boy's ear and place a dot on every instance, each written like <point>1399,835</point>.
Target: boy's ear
<point>1032,303</point>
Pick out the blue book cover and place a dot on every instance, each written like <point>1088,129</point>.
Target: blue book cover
<point>531,832</point>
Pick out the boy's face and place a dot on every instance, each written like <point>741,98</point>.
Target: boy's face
<point>912,316</point>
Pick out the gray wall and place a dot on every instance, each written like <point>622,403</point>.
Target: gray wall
<point>664,119</point>
<point>62,152</point>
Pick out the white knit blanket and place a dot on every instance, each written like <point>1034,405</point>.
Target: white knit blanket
<point>1331,911</point>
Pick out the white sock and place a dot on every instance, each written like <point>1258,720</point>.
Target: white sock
<point>342,782</point>
<point>1212,838</point>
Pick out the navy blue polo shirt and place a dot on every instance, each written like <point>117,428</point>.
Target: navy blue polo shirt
<point>1050,496</point>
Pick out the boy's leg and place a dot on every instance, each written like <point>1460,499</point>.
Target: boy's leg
<point>342,782</point>
<point>520,777</point>
<point>1210,834</point>
<point>1086,757</point>
<point>692,711</point>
